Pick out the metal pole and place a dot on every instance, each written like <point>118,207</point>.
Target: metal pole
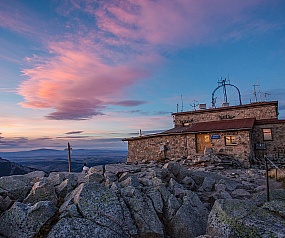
<point>69,158</point>
<point>267,181</point>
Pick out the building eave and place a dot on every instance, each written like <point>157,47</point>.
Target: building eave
<point>204,127</point>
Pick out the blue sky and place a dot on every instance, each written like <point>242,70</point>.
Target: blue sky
<point>93,72</point>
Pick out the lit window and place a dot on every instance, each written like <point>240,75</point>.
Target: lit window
<point>230,140</point>
<point>207,138</point>
<point>267,134</point>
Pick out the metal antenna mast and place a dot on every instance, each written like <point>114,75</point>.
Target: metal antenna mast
<point>254,92</point>
<point>181,103</point>
<point>223,82</point>
<point>265,96</point>
<point>194,105</point>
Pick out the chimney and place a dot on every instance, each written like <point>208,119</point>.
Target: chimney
<point>225,104</point>
<point>202,106</point>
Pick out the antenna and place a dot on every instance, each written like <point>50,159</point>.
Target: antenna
<point>223,83</point>
<point>177,107</point>
<point>259,95</point>
<point>181,103</point>
<point>254,92</point>
<point>265,96</point>
<point>194,105</point>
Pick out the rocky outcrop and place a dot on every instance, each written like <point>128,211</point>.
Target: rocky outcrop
<point>25,220</point>
<point>240,218</point>
<point>146,200</point>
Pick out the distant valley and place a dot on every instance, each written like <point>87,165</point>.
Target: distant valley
<point>57,160</point>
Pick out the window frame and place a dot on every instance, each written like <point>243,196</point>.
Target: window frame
<point>231,141</point>
<point>269,136</point>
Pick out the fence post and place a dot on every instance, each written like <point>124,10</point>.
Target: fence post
<point>267,180</point>
<point>69,158</point>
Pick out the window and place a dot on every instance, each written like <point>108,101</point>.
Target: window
<point>230,140</point>
<point>267,134</point>
<point>207,138</point>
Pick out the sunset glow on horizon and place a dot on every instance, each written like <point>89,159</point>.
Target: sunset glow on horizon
<point>93,72</point>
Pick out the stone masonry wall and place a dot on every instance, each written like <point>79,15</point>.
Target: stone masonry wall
<point>150,148</point>
<point>242,150</point>
<point>275,149</point>
<point>258,112</point>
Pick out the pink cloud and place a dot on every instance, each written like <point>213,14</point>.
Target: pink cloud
<point>75,82</point>
<point>184,22</point>
<point>168,22</point>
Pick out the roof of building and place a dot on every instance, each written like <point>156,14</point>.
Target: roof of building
<point>222,125</point>
<point>255,104</point>
<point>212,126</point>
<point>269,121</point>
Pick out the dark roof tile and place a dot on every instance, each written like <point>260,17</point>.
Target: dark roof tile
<point>211,126</point>
<point>222,125</point>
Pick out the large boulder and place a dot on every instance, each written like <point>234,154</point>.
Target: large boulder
<point>190,220</point>
<point>94,177</point>
<point>25,220</point>
<point>173,167</point>
<point>16,187</point>
<point>143,212</point>
<point>240,218</point>
<point>100,205</point>
<point>35,176</point>
<point>41,191</point>
<point>156,198</point>
<point>66,186</point>
<point>57,178</point>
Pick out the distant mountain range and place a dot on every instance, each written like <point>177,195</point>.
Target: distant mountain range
<point>8,168</point>
<point>56,160</point>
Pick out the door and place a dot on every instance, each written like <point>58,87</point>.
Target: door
<point>203,141</point>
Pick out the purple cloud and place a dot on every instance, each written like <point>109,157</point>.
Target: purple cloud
<point>129,103</point>
<point>73,132</point>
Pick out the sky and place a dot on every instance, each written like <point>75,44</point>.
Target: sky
<point>92,72</point>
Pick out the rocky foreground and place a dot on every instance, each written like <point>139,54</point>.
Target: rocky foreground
<point>148,200</point>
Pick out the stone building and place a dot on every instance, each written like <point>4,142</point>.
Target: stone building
<point>247,132</point>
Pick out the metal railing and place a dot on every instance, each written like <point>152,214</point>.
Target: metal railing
<point>267,176</point>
